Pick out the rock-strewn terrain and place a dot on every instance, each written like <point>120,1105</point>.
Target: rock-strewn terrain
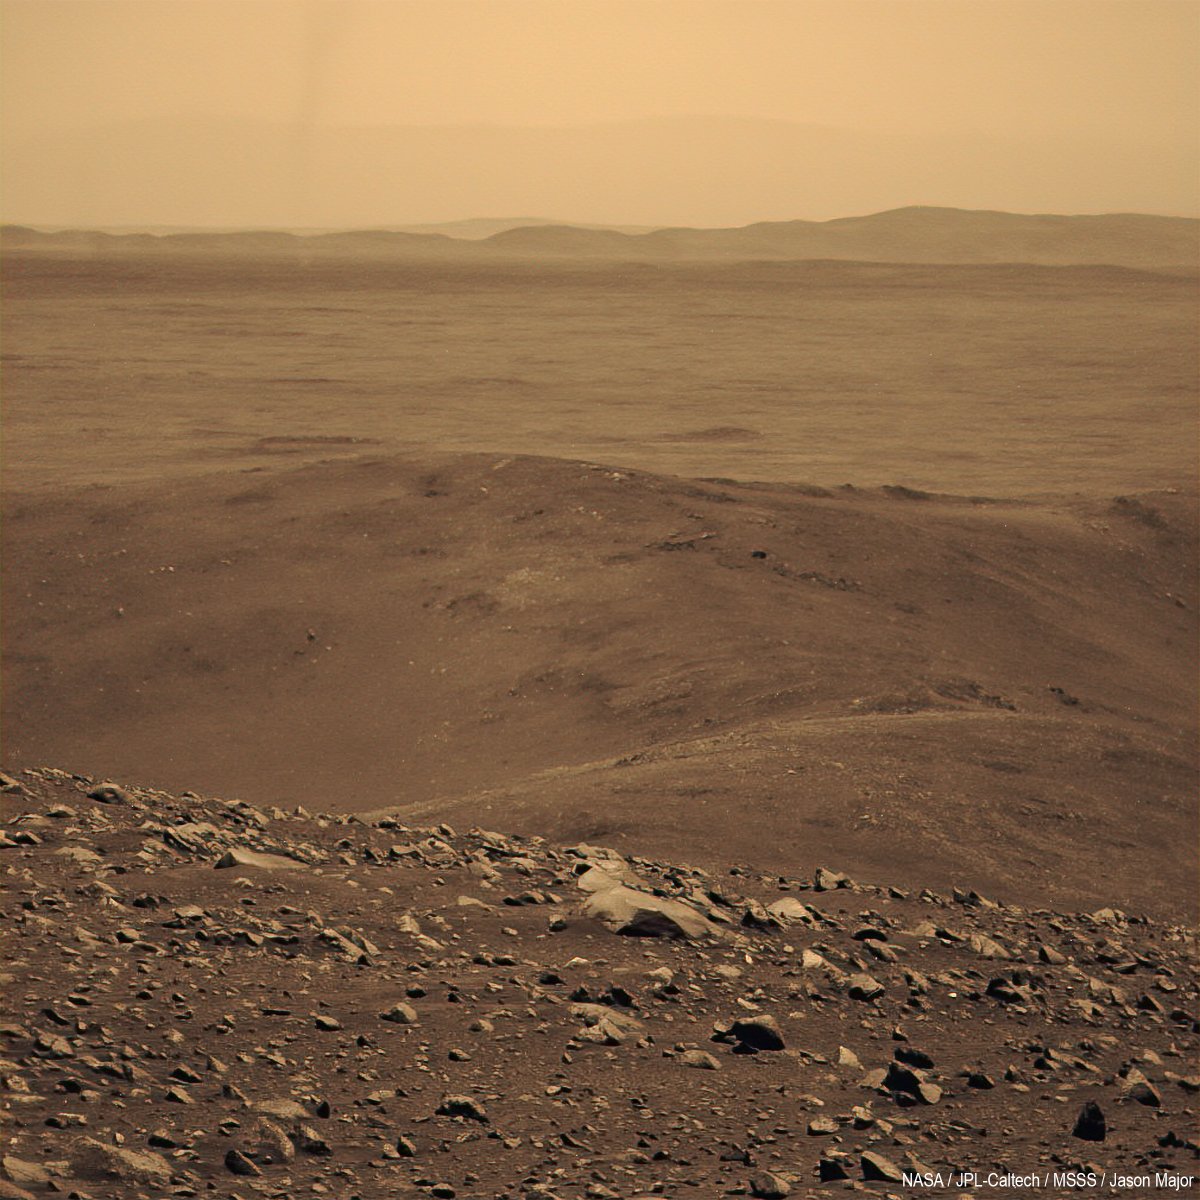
<point>204,997</point>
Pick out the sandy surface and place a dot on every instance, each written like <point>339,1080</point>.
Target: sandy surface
<point>757,671</point>
<point>1001,380</point>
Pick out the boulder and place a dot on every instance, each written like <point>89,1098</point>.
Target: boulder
<point>760,1031</point>
<point>606,1025</point>
<point>20,1170</point>
<point>284,1109</point>
<point>987,947</point>
<point>266,1142</point>
<point>1090,1125</point>
<point>634,913</point>
<point>770,1186</point>
<point>109,793</point>
<point>237,856</point>
<point>400,1014</point>
<point>864,987</point>
<point>788,908</point>
<point>94,1159</point>
<point>876,1167</point>
<point>463,1106</point>
<point>911,1082</point>
<point>826,880</point>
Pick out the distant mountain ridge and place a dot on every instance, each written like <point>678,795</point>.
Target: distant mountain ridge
<point>913,234</point>
<point>479,228</point>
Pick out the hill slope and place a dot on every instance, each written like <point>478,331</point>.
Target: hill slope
<point>786,674</point>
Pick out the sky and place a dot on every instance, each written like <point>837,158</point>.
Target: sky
<point>342,112</point>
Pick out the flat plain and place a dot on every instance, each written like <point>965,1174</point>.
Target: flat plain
<point>977,379</point>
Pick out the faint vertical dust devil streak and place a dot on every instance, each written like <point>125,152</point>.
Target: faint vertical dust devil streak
<point>323,26</point>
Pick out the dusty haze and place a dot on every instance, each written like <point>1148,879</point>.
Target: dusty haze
<point>304,114</point>
<point>655,539</point>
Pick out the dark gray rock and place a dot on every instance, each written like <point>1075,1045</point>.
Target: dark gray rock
<point>911,1082</point>
<point>833,1167</point>
<point>759,1032</point>
<point>463,1106</point>
<point>1090,1125</point>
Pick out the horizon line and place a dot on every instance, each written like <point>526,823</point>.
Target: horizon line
<point>616,226</point>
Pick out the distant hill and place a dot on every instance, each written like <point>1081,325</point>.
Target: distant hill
<point>479,228</point>
<point>929,235</point>
<point>942,235</point>
<point>472,229</point>
<point>250,243</point>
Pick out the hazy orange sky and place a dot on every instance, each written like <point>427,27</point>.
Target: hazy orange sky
<point>318,112</point>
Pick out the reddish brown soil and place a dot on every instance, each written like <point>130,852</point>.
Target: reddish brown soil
<point>167,1008</point>
<point>940,689</point>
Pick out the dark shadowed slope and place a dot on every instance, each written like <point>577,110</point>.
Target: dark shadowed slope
<point>761,672</point>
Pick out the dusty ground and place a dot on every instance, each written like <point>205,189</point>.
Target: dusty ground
<point>741,571</point>
<point>940,688</point>
<point>996,380</point>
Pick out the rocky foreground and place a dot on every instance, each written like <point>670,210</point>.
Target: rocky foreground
<point>207,998</point>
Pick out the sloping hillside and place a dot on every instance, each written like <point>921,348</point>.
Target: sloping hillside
<point>760,671</point>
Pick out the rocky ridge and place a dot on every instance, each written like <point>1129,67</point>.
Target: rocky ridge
<point>203,997</point>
